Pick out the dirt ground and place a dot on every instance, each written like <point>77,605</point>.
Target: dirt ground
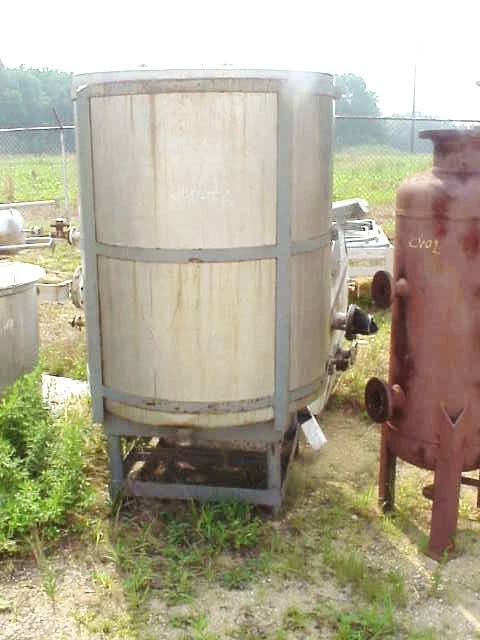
<point>444,599</point>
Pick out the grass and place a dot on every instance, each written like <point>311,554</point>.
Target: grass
<point>374,176</point>
<point>367,172</point>
<point>216,542</point>
<point>59,263</point>
<point>38,177</point>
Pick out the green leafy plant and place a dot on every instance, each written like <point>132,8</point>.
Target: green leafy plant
<point>42,462</point>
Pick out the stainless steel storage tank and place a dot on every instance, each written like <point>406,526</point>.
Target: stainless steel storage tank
<point>18,320</point>
<point>205,206</point>
<point>205,203</point>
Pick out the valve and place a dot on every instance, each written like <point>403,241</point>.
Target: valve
<point>354,322</point>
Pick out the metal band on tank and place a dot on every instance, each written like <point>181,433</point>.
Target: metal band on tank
<point>240,254</point>
<point>229,406</point>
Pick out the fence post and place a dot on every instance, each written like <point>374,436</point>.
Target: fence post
<point>64,165</point>
<point>414,95</point>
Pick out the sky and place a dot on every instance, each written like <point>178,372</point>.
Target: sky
<point>379,41</point>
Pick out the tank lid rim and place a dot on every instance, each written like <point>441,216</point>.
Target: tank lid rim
<point>18,274</point>
<point>448,134</point>
<point>80,81</point>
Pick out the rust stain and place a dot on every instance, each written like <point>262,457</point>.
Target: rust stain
<point>400,339</point>
<point>471,240</point>
<point>440,207</point>
<point>440,225</point>
<point>421,456</point>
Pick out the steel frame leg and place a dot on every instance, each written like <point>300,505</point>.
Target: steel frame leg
<point>274,472</point>
<point>386,482</point>
<point>115,456</point>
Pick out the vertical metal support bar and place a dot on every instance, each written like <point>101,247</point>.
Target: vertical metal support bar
<point>87,201</point>
<point>274,467</point>
<point>64,165</point>
<point>283,285</point>
<point>117,472</point>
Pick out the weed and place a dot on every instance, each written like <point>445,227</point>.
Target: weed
<point>296,620</point>
<point>240,576</point>
<point>117,625</point>
<point>138,581</point>
<point>103,580</point>
<point>436,587</point>
<point>47,572</point>
<point>366,624</point>
<point>196,623</point>
<point>372,584</point>
<point>42,463</point>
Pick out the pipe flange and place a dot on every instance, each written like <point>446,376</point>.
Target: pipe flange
<point>382,289</point>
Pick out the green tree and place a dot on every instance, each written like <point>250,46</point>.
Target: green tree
<point>356,100</point>
<point>28,97</point>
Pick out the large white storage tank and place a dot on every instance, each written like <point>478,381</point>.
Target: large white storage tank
<point>205,199</point>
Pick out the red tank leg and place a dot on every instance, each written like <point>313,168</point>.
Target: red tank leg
<point>386,483</point>
<point>446,486</point>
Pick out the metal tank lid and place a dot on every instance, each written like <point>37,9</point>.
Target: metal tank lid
<point>302,81</point>
<point>14,275</point>
<point>449,134</point>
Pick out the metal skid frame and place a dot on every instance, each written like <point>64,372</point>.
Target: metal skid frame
<point>268,435</point>
<point>131,471</point>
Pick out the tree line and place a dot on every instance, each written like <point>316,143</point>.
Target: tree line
<point>28,98</point>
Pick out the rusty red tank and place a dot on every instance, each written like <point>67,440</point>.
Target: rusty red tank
<point>430,408</point>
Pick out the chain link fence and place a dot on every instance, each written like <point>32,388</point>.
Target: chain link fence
<point>372,156</point>
<point>38,164</point>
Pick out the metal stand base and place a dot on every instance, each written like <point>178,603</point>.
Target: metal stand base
<point>198,465</point>
<point>445,490</point>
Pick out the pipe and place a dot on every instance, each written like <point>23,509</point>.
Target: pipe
<point>383,400</point>
<point>31,243</point>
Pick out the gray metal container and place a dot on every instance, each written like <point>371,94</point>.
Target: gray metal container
<point>18,320</point>
<point>11,229</point>
<point>205,199</point>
